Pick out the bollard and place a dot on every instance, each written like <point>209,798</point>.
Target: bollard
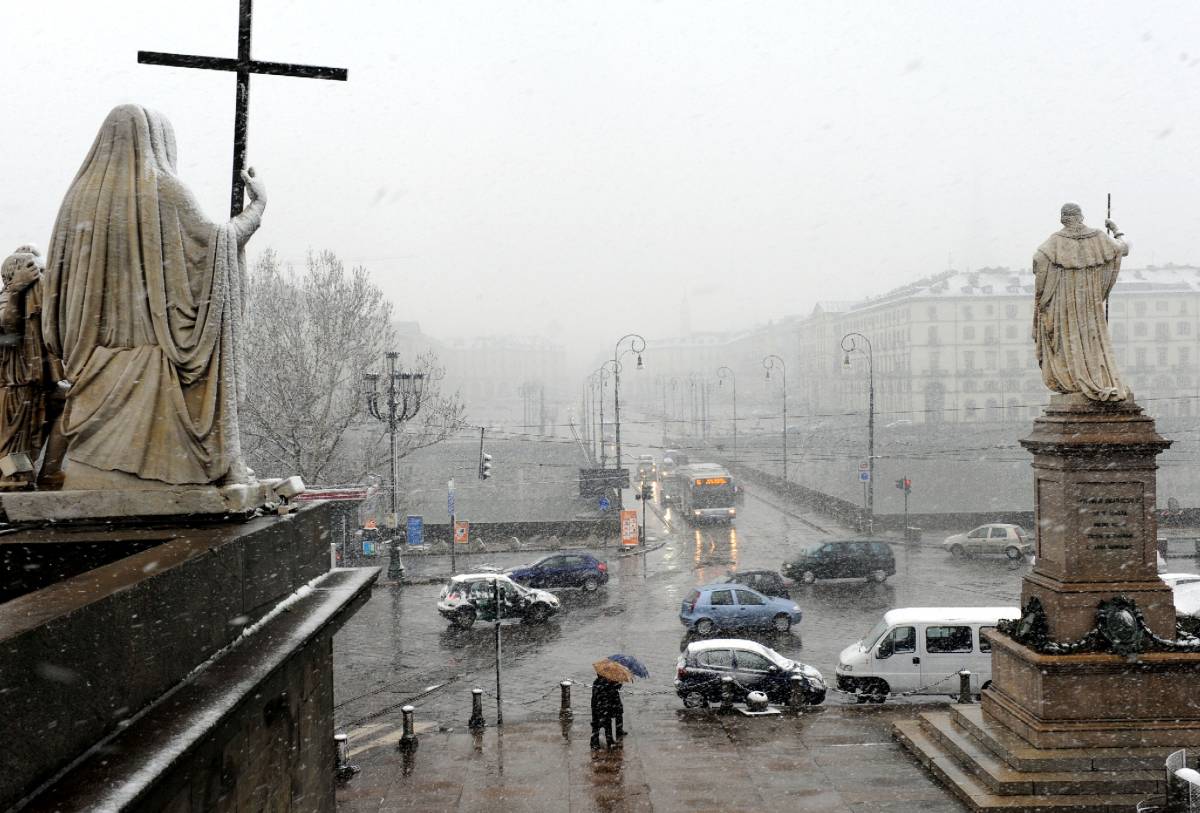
<point>342,768</point>
<point>726,693</point>
<point>564,708</point>
<point>796,693</point>
<point>476,721</point>
<point>964,686</point>
<point>408,740</point>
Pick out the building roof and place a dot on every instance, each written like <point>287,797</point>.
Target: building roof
<point>949,615</point>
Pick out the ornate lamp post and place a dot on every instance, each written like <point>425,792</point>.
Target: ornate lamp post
<point>849,346</point>
<point>769,363</point>
<point>601,377</point>
<point>404,392</point>
<point>722,374</point>
<point>637,344</point>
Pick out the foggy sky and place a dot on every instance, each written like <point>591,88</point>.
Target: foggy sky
<point>569,169</point>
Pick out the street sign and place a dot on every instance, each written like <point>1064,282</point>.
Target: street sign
<point>864,466</point>
<point>415,530</point>
<point>604,504</point>
<point>629,527</point>
<point>461,529</point>
<point>864,476</point>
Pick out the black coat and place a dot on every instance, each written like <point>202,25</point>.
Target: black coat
<point>606,700</point>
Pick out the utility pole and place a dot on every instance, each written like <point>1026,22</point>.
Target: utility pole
<point>636,345</point>
<point>769,362</point>
<point>722,374</point>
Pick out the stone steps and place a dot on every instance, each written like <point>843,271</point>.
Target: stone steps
<point>958,770</point>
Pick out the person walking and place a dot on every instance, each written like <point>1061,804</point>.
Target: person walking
<point>607,709</point>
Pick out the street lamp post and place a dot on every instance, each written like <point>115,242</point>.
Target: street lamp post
<point>404,392</point>
<point>849,346</point>
<point>722,374</point>
<point>769,363</point>
<point>637,344</point>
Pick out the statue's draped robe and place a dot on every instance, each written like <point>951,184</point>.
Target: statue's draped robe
<point>1074,270</point>
<point>24,376</point>
<point>142,297</point>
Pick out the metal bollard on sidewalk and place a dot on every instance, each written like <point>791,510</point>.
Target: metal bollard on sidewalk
<point>408,740</point>
<point>796,693</point>
<point>342,768</point>
<point>476,722</point>
<point>564,708</point>
<point>964,686</point>
<point>726,693</point>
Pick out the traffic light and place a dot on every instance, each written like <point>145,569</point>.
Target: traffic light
<point>904,484</point>
<point>485,466</point>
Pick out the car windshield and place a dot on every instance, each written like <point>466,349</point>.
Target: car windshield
<point>871,638</point>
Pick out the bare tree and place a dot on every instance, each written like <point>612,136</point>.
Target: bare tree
<point>308,339</point>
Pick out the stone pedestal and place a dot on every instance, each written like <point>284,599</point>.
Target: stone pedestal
<point>1089,691</point>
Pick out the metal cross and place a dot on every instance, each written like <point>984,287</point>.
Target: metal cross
<point>243,66</point>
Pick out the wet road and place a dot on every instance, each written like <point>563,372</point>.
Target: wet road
<point>397,649</point>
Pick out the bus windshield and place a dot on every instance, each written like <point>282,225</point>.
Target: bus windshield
<point>712,496</point>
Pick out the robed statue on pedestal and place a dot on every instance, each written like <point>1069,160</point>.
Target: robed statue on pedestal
<point>142,297</point>
<point>1074,272</point>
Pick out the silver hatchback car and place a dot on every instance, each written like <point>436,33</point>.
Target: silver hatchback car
<point>996,537</point>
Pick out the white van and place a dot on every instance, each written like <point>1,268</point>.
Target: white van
<point>920,650</point>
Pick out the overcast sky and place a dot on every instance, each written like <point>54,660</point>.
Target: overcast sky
<point>570,169</point>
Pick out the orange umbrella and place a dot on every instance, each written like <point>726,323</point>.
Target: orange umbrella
<point>611,670</point>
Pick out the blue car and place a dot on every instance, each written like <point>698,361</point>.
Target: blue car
<point>725,606</point>
<point>559,570</point>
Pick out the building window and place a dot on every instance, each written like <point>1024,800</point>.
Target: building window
<point>966,312</point>
<point>969,359</point>
<point>968,386</point>
<point>1010,311</point>
<point>1139,308</point>
<point>989,310</point>
<point>933,313</point>
<point>1139,357</point>
<point>1139,328</point>
<point>1162,357</point>
<point>1013,360</point>
<point>989,333</point>
<point>993,410</point>
<point>1183,329</point>
<point>935,362</point>
<point>1162,331</point>
<point>970,409</point>
<point>1161,306</point>
<point>933,334</point>
<point>1010,331</point>
<point>968,333</point>
<point>1118,331</point>
<point>1185,356</point>
<point>989,360</point>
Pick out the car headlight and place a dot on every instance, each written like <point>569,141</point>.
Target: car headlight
<point>845,667</point>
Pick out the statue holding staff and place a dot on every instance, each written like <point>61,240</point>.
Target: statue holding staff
<point>1075,270</point>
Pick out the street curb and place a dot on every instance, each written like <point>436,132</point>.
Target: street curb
<point>640,551</point>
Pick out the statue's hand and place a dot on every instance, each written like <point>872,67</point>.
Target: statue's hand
<point>254,186</point>
<point>1112,227</point>
<point>24,277</point>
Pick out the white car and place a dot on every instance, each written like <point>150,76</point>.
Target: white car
<point>996,537</point>
<point>469,597</point>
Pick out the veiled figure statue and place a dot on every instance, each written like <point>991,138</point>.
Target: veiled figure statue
<point>142,296</point>
<point>1074,272</point>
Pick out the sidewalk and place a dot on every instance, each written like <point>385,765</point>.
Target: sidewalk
<point>826,759</point>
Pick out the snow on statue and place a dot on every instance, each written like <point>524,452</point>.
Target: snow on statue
<point>142,299</point>
<point>1075,270</point>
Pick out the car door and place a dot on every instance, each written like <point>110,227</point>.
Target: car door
<point>722,607</point>
<point>715,664</point>
<point>825,561</point>
<point>578,569</point>
<point>551,572</point>
<point>998,539</point>
<point>896,659</point>
<point>948,648</point>
<point>976,540</point>
<point>750,608</point>
<point>753,671</point>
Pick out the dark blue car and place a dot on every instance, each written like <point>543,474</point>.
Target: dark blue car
<point>560,570</point>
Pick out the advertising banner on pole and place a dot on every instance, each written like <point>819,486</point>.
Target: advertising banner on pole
<point>629,527</point>
<point>415,530</point>
<point>461,529</point>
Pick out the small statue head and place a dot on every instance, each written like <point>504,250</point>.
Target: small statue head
<point>25,265</point>
<point>1071,215</point>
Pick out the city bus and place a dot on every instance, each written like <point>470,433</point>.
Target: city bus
<point>707,493</point>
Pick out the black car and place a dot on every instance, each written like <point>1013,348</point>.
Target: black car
<point>843,559</point>
<point>560,570</point>
<point>767,582</point>
<point>752,666</point>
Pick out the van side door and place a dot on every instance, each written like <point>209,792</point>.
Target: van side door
<point>948,648</point>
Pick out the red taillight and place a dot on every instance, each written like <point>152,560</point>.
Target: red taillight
<point>452,597</point>
<point>680,673</point>
<point>603,567</point>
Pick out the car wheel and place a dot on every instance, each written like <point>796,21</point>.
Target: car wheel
<point>781,622</point>
<point>1012,552</point>
<point>957,551</point>
<point>705,626</point>
<point>872,690</point>
<point>808,577</point>
<point>591,584</point>
<point>465,619</point>
<point>878,576</point>
<point>538,613</point>
<point>695,700</point>
<point>814,698</point>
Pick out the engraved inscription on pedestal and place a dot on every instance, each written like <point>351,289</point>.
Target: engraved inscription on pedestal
<point>1111,517</point>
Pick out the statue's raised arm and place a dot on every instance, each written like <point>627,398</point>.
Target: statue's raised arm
<point>1075,270</point>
